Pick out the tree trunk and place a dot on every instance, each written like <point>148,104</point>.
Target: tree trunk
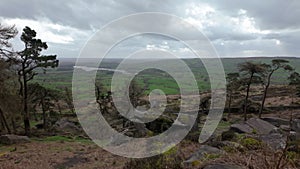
<point>247,96</point>
<point>263,101</point>
<point>59,109</point>
<point>34,113</point>
<point>4,121</point>
<point>69,100</point>
<point>2,125</point>
<point>44,115</point>
<point>265,94</point>
<point>195,127</point>
<point>25,106</point>
<point>13,122</point>
<point>229,104</point>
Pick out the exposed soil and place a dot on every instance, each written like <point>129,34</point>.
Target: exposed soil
<point>73,155</point>
<point>58,155</point>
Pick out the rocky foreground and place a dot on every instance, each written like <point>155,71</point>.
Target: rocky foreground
<point>257,143</point>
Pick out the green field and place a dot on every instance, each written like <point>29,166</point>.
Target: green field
<point>152,78</point>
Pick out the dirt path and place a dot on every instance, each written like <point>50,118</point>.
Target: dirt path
<point>57,155</point>
<point>65,155</point>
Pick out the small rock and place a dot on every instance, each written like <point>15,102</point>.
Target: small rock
<point>296,125</point>
<point>294,136</point>
<point>13,139</point>
<point>64,125</point>
<point>202,152</point>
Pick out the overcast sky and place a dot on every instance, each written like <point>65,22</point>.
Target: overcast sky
<point>235,27</point>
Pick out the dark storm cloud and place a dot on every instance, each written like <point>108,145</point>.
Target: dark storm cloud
<point>80,13</point>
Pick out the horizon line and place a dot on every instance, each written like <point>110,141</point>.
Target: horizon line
<point>221,57</point>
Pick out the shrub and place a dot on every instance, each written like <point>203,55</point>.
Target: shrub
<point>229,149</point>
<point>212,156</point>
<point>251,143</point>
<point>254,131</point>
<point>228,135</point>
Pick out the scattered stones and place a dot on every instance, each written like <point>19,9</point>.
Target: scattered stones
<point>13,139</point>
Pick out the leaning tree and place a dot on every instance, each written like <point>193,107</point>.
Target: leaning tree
<point>250,72</point>
<point>29,60</point>
<point>267,75</point>
<point>294,81</point>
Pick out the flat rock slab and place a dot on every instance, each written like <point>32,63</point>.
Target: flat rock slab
<point>241,128</point>
<point>254,126</point>
<point>222,166</point>
<point>9,139</point>
<point>260,126</point>
<point>276,121</point>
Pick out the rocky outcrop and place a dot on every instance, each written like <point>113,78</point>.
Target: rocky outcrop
<point>276,141</point>
<point>265,131</point>
<point>9,139</point>
<point>253,126</point>
<point>260,126</point>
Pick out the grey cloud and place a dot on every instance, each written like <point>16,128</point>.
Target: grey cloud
<point>269,14</point>
<point>280,17</point>
<point>228,34</point>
